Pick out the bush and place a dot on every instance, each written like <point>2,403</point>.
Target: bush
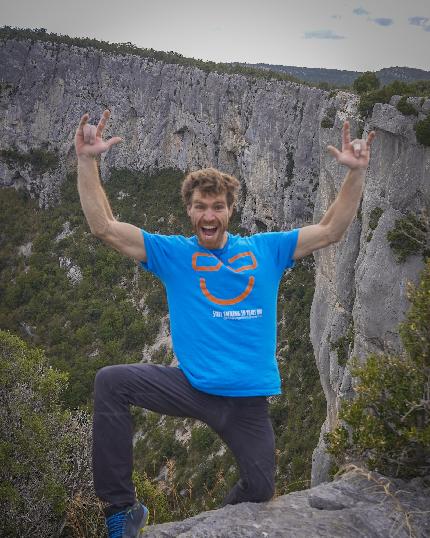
<point>406,108</point>
<point>32,426</point>
<point>422,130</point>
<point>383,95</point>
<point>387,425</point>
<point>366,82</point>
<point>374,217</point>
<point>343,345</point>
<point>409,236</point>
<point>39,159</point>
<point>328,120</point>
<point>44,450</point>
<point>369,99</point>
<point>154,498</point>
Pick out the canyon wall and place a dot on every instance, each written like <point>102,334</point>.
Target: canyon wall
<point>272,135</point>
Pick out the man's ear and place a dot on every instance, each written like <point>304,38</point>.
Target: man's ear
<point>230,210</point>
<point>188,210</point>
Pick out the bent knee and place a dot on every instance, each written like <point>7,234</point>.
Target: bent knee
<point>109,378</point>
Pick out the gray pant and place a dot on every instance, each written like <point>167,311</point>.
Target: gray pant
<point>243,423</point>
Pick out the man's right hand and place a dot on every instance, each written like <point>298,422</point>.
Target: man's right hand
<point>88,138</point>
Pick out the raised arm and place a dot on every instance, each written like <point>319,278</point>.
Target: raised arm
<point>355,155</point>
<point>89,143</point>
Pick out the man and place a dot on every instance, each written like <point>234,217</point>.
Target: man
<point>222,293</point>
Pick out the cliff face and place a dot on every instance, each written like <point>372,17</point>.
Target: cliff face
<point>360,293</point>
<point>267,133</point>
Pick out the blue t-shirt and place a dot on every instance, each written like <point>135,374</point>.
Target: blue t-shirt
<point>222,306</point>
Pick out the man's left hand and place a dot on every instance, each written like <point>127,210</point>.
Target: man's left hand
<point>355,154</point>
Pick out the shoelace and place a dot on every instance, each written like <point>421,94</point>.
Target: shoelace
<point>115,524</point>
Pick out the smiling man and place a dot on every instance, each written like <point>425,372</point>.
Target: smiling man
<point>222,293</point>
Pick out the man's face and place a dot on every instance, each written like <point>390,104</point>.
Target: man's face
<point>209,216</point>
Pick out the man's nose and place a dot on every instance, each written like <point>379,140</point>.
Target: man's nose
<point>209,214</point>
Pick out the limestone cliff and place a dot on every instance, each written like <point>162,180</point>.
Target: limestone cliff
<point>271,134</point>
<point>360,292</point>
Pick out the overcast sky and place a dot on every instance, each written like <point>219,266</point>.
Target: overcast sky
<point>341,34</point>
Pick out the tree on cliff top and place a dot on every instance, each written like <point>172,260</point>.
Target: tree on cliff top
<point>366,82</point>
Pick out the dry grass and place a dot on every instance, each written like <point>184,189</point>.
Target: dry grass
<point>403,515</point>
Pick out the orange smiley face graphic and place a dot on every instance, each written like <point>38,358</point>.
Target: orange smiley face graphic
<point>217,267</point>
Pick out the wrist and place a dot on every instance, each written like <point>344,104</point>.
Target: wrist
<point>358,172</point>
<point>83,158</point>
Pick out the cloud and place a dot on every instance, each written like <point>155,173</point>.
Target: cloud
<point>418,21</point>
<point>336,17</point>
<point>382,21</point>
<point>360,11</point>
<point>322,34</point>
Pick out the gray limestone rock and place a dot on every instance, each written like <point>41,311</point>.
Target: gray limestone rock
<point>352,506</point>
<point>358,280</point>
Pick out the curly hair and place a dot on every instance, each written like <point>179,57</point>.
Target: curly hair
<point>210,181</point>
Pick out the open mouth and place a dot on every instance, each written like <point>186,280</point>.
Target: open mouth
<point>209,231</point>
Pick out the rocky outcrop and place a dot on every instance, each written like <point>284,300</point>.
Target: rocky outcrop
<point>354,505</point>
<point>360,288</point>
<point>270,134</point>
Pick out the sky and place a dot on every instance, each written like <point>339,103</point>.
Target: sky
<point>361,35</point>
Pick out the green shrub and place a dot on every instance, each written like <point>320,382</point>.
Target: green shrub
<point>406,108</point>
<point>422,130</point>
<point>343,345</point>
<point>409,236</point>
<point>368,101</point>
<point>366,82</point>
<point>154,498</point>
<point>328,120</point>
<point>374,217</point>
<point>414,331</point>
<point>43,449</point>
<point>39,159</point>
<point>387,424</point>
<point>202,439</point>
<point>383,95</point>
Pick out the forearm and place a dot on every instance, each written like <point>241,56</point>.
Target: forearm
<point>343,210</point>
<point>94,202</point>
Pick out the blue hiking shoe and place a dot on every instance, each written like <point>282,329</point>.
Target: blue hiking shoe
<point>128,523</point>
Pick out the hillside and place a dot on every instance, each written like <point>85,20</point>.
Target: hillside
<point>343,78</point>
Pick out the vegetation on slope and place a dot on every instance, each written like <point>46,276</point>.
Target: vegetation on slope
<point>43,448</point>
<point>410,236</point>
<point>368,88</point>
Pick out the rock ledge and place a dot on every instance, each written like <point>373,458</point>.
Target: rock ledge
<point>354,505</point>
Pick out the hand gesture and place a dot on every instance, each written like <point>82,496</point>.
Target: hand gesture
<point>88,138</point>
<point>355,154</point>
